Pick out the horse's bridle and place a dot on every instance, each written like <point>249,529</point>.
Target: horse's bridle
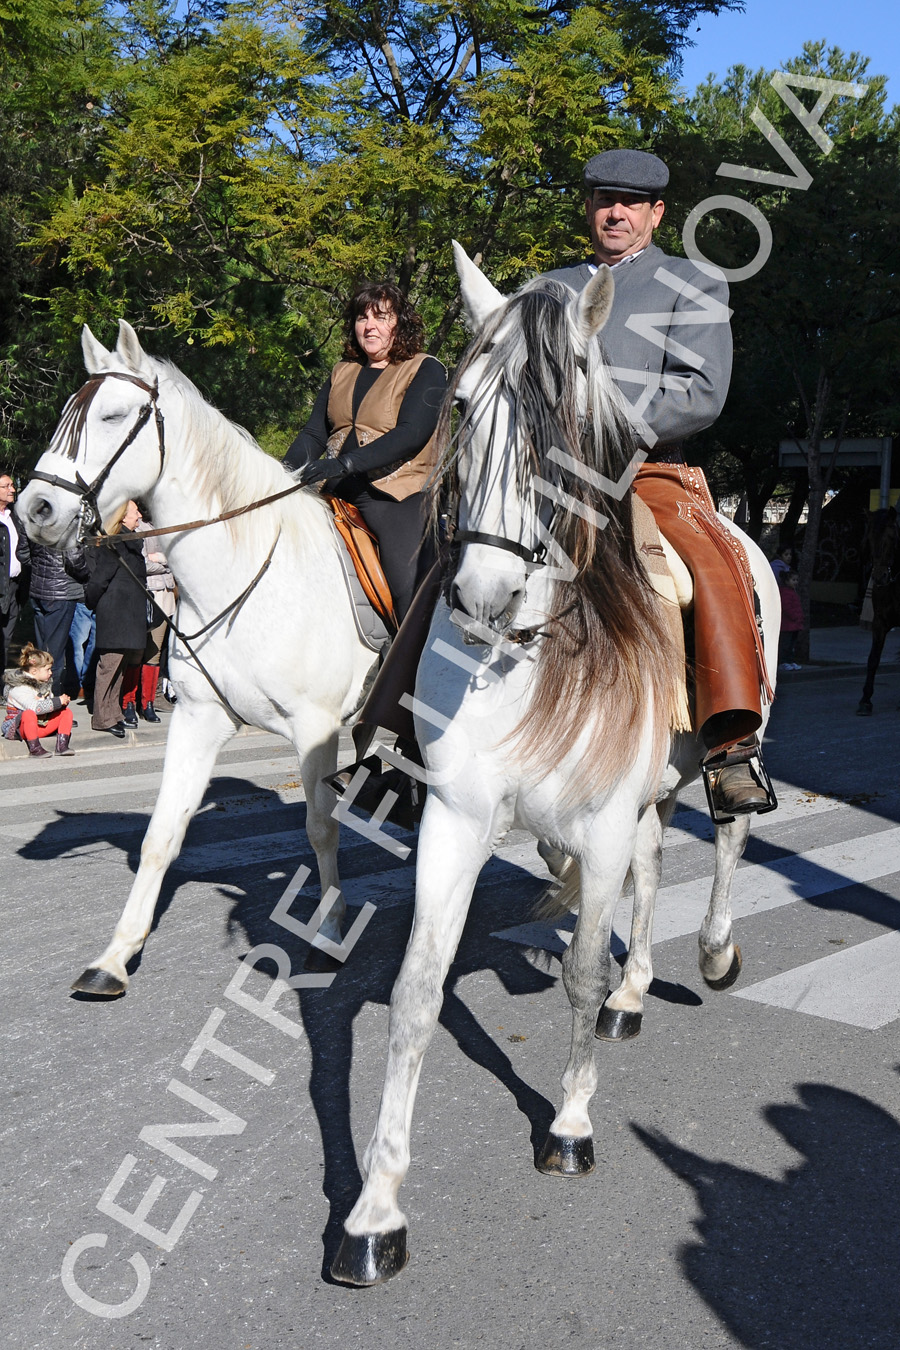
<point>531,555</point>
<point>71,426</point>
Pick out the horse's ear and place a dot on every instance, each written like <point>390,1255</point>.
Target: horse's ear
<point>591,307</point>
<point>480,299</point>
<point>96,357</point>
<point>129,349</point>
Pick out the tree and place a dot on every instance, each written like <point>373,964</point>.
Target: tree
<point>255,159</point>
<point>816,328</point>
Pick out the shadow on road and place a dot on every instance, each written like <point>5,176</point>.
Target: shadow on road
<point>809,1261</point>
<point>328,1017</point>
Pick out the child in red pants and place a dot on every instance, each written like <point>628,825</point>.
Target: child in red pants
<point>33,711</point>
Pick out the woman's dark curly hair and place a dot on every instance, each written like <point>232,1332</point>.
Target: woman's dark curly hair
<point>409,335</point>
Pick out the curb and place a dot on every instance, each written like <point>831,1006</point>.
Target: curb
<point>814,670</point>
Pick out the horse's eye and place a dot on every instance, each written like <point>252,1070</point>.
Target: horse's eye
<point>113,417</point>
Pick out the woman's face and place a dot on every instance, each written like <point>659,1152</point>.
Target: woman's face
<point>375,332</point>
<point>131,517</point>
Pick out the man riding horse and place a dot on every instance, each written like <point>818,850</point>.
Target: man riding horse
<point>668,341</point>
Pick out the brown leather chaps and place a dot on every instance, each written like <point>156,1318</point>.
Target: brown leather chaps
<point>729,663</point>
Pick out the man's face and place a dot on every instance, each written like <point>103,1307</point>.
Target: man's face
<point>621,223</point>
<point>7,492</point>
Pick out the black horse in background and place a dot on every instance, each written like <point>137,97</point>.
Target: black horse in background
<point>882,547</point>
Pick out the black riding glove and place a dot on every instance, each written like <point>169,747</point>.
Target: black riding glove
<point>321,471</point>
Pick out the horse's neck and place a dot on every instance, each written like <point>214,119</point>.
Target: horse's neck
<point>209,561</point>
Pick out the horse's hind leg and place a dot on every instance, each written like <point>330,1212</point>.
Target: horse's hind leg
<point>569,1149</point>
<point>720,958</point>
<point>196,735</point>
<point>621,1015</point>
<point>317,747</point>
<point>449,859</point>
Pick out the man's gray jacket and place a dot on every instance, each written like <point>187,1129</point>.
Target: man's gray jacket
<point>668,340</point>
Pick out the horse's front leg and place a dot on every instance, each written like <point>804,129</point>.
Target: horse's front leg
<point>451,854</point>
<point>621,1015</point>
<point>569,1149</point>
<point>197,733</point>
<point>720,957</point>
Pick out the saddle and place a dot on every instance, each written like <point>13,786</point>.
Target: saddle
<point>361,546</point>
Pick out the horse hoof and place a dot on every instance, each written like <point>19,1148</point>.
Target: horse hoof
<point>562,1156</point>
<point>614,1024</point>
<point>370,1258</point>
<point>731,973</point>
<point>864,710</point>
<point>320,963</point>
<point>99,982</point>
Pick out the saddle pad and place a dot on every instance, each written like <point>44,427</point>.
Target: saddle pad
<point>370,627</point>
<point>652,554</point>
<point>363,550</point>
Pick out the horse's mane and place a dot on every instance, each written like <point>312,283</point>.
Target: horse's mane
<point>227,469</point>
<point>606,649</point>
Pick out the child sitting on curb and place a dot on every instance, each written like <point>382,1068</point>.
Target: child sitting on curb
<point>32,709</point>
<point>791,620</point>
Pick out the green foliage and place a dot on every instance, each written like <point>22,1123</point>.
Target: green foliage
<point>816,328</point>
<point>222,174</point>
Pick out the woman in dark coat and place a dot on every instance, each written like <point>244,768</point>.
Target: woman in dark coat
<point>120,604</point>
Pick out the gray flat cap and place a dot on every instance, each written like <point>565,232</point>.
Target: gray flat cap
<point>626,171</point>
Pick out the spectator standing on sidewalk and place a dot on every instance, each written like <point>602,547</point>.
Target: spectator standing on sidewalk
<point>57,581</point>
<point>15,565</point>
<point>140,682</point>
<point>783,562</point>
<point>791,621</point>
<point>115,592</point>
<point>80,650</point>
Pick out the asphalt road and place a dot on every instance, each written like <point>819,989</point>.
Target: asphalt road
<point>747,1192</point>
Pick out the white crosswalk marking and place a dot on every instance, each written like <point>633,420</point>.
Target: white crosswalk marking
<point>758,887</point>
<point>857,985</point>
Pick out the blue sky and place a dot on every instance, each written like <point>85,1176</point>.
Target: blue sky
<point>770,32</point>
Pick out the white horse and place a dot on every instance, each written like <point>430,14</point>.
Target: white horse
<point>289,660</point>
<point>559,723</point>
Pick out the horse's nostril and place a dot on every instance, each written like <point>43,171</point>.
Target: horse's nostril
<point>41,509</point>
<point>457,602</point>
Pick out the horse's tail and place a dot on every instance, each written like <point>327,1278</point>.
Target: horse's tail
<point>563,895</point>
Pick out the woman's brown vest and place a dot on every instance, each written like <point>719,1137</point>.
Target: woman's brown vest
<point>377,414</point>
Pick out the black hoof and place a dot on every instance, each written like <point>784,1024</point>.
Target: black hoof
<point>320,963</point>
<point>731,973</point>
<point>99,982</point>
<point>864,710</point>
<point>565,1157</point>
<point>613,1024</point>
<point>370,1258</point>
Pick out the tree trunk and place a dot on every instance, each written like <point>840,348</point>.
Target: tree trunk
<point>800,492</point>
<point>816,502</point>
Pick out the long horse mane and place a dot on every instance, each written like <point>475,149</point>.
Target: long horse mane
<point>227,469</point>
<point>606,651</point>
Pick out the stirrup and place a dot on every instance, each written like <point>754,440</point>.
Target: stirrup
<point>748,752</point>
<point>406,811</point>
